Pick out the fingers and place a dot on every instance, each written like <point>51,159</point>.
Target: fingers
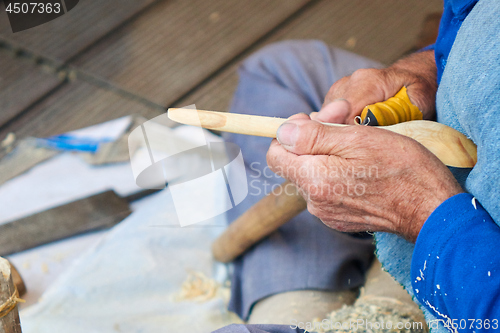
<point>347,97</point>
<point>299,116</point>
<point>281,161</point>
<point>422,97</point>
<point>308,137</point>
<point>337,90</point>
<point>368,86</point>
<point>336,112</point>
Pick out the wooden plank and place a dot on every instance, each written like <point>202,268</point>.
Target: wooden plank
<point>379,29</point>
<point>79,104</point>
<point>176,44</point>
<point>69,34</point>
<point>22,82</point>
<point>99,211</point>
<point>76,105</point>
<point>215,95</point>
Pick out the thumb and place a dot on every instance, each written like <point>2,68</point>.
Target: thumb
<point>308,137</point>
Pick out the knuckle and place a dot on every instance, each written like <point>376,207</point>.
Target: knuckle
<point>310,135</point>
<point>357,136</point>
<point>312,194</point>
<point>339,83</point>
<point>316,136</point>
<point>355,139</point>
<point>336,89</point>
<point>317,190</point>
<point>340,226</point>
<point>271,157</point>
<point>314,210</point>
<point>366,73</point>
<point>336,224</point>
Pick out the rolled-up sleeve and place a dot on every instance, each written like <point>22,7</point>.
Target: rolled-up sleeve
<point>456,266</point>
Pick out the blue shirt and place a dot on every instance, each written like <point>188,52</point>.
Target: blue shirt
<point>456,262</point>
<point>454,13</point>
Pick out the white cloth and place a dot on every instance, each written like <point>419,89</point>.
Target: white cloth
<point>128,281</point>
<point>124,279</point>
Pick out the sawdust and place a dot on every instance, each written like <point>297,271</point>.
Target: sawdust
<point>373,317</point>
<point>198,288</point>
<point>59,257</point>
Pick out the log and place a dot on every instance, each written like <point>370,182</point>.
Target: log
<point>9,314</point>
<point>18,281</point>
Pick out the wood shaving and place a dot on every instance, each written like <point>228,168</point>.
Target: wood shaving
<point>59,257</point>
<point>198,288</point>
<point>381,311</point>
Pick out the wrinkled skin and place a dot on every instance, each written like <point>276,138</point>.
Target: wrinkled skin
<point>361,178</point>
<point>348,96</point>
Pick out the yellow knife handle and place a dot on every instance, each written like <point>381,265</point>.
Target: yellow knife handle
<point>395,110</point>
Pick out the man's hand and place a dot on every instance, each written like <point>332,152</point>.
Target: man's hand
<point>361,178</point>
<point>348,96</point>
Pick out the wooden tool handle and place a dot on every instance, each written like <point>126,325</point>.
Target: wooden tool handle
<point>267,215</point>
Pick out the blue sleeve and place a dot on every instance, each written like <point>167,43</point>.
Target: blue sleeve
<point>259,329</point>
<point>428,48</point>
<point>456,265</point>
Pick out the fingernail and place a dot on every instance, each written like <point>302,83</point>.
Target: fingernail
<point>287,134</point>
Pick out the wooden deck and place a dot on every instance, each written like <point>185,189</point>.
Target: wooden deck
<point>107,59</point>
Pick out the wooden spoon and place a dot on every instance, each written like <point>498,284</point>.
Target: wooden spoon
<point>450,146</point>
